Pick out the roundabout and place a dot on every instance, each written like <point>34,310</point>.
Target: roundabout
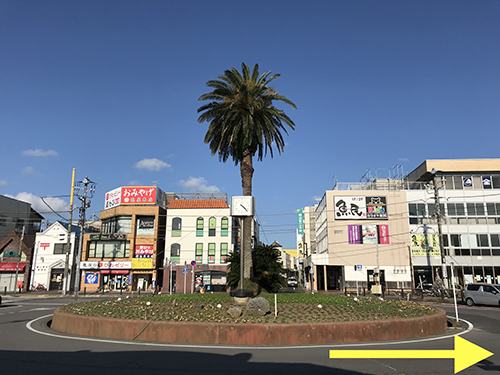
<point>265,333</point>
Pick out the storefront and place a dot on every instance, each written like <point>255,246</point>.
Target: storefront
<point>106,276</point>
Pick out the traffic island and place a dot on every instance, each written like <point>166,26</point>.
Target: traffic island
<point>267,334</point>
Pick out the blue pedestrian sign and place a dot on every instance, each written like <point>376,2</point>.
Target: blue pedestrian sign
<point>185,270</point>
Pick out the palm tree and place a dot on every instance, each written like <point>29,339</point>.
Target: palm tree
<point>243,122</point>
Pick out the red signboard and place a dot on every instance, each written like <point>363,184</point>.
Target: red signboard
<point>139,195</point>
<point>143,251</point>
<point>12,266</point>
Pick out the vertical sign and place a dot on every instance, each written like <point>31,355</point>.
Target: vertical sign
<point>383,234</point>
<point>300,221</point>
<point>354,235</point>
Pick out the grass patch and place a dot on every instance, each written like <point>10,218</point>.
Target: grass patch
<point>292,308</point>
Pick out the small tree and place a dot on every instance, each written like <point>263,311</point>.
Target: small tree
<point>268,269</point>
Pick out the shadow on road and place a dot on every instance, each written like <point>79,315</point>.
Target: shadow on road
<point>149,362</point>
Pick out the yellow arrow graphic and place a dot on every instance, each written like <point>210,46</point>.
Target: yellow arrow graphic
<point>465,354</point>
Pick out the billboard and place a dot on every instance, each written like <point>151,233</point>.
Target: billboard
<point>134,196</point>
<point>355,208</point>
<point>113,198</point>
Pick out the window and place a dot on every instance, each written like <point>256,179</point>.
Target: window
<point>475,209</point>
<point>117,224</point>
<point>176,226</point>
<point>211,253</point>
<point>495,240</point>
<point>175,250</point>
<point>455,209</point>
<point>495,180</point>
<point>455,240</point>
<point>431,208</point>
<point>211,227</point>
<point>198,255</point>
<point>145,225</point>
<point>109,249</point>
<point>224,225</point>
<point>199,227</point>
<point>223,253</point>
<point>416,209</point>
<point>482,240</point>
<point>60,248</point>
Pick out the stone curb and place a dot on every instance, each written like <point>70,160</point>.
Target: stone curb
<point>248,334</point>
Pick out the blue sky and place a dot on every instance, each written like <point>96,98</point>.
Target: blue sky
<point>111,87</point>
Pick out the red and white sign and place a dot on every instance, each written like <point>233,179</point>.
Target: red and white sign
<point>113,198</point>
<point>134,195</point>
<point>115,265</point>
<point>139,195</point>
<point>383,234</point>
<point>143,251</point>
<point>44,245</point>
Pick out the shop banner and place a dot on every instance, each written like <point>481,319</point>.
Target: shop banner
<point>354,235</point>
<point>383,234</point>
<point>142,263</point>
<point>369,233</point>
<point>143,251</point>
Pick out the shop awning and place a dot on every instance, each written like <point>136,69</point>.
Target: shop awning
<point>115,272</point>
<point>12,266</point>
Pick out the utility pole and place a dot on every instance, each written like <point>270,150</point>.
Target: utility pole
<point>85,205</point>
<point>68,241</point>
<point>19,257</point>
<point>440,228</point>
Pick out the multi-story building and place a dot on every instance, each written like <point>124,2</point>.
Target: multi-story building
<point>468,192</point>
<point>444,212</point>
<point>128,252</point>
<point>198,242</point>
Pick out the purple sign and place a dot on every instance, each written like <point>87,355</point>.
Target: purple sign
<point>354,234</point>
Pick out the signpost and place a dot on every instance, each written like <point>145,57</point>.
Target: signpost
<point>193,263</point>
<point>185,271</point>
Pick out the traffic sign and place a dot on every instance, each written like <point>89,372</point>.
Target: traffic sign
<point>193,263</point>
<point>185,270</point>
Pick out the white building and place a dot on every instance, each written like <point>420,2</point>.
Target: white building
<point>49,256</point>
<point>200,231</point>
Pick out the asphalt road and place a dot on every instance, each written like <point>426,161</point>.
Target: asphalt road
<point>27,345</point>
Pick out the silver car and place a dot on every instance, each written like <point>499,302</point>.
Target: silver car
<point>482,294</point>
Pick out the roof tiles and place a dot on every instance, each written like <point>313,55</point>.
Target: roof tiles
<point>198,203</point>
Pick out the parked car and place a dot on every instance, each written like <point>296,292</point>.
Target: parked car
<point>292,281</point>
<point>482,294</point>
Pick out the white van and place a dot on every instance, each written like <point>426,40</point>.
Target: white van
<point>482,294</point>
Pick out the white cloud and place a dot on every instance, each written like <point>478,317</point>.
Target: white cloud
<point>199,185</point>
<point>31,171</point>
<point>39,152</point>
<point>57,204</point>
<point>403,159</point>
<point>134,183</point>
<point>3,183</point>
<point>152,164</point>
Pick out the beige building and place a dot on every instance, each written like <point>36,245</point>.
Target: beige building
<point>358,232</point>
<point>445,214</point>
<point>128,253</point>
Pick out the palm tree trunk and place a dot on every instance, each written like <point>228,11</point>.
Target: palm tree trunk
<point>246,171</point>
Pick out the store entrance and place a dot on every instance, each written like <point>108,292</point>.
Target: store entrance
<point>115,282</point>
<point>56,279</point>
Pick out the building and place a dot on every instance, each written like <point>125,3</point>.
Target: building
<point>445,212</point>
<point>127,254</point>
<point>468,192</point>
<point>18,225</point>
<point>49,258</point>
<point>198,242</point>
<point>357,233</point>
<point>16,215</point>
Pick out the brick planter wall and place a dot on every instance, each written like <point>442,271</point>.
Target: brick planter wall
<point>248,334</point>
